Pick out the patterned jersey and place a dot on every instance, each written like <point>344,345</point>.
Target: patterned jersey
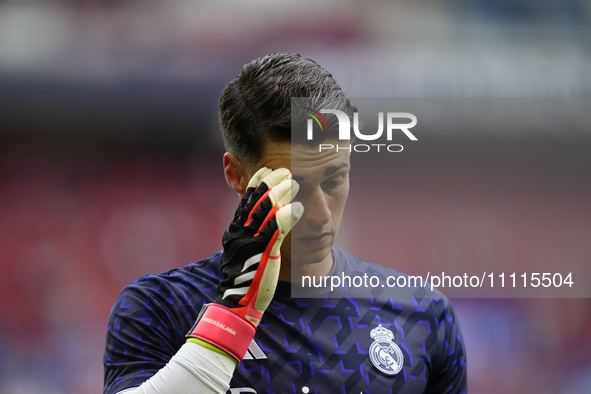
<point>302,345</point>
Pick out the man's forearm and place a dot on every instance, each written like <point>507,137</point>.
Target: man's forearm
<point>193,369</point>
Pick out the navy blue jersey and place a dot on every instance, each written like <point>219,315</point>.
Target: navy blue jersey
<point>302,345</point>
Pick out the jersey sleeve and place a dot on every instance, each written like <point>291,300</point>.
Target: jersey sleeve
<point>449,365</point>
<point>141,335</point>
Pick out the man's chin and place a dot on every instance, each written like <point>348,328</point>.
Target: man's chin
<point>304,257</point>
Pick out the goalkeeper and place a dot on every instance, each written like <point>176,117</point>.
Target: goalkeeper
<point>228,323</point>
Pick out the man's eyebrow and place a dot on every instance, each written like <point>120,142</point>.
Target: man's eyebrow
<point>332,169</point>
<point>327,172</point>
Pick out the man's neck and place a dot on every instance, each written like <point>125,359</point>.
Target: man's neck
<point>294,273</point>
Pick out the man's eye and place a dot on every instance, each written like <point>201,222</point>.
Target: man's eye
<point>333,183</point>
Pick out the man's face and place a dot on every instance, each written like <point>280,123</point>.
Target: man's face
<point>324,186</point>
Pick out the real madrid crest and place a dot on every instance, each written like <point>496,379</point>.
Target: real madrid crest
<point>383,353</point>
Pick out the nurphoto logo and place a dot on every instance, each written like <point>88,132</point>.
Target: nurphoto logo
<point>344,123</point>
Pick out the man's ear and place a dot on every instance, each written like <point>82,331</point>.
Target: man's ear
<point>235,173</point>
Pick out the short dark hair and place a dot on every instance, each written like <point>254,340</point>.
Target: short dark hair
<point>255,107</point>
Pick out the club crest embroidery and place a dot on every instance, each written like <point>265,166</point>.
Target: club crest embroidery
<point>384,354</point>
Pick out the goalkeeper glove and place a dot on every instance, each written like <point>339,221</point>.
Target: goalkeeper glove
<point>250,262</point>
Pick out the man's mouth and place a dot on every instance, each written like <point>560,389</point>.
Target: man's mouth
<point>315,240</point>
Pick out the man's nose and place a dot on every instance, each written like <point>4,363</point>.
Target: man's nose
<point>316,210</point>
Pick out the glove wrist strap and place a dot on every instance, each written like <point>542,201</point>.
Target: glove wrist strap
<point>224,329</point>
